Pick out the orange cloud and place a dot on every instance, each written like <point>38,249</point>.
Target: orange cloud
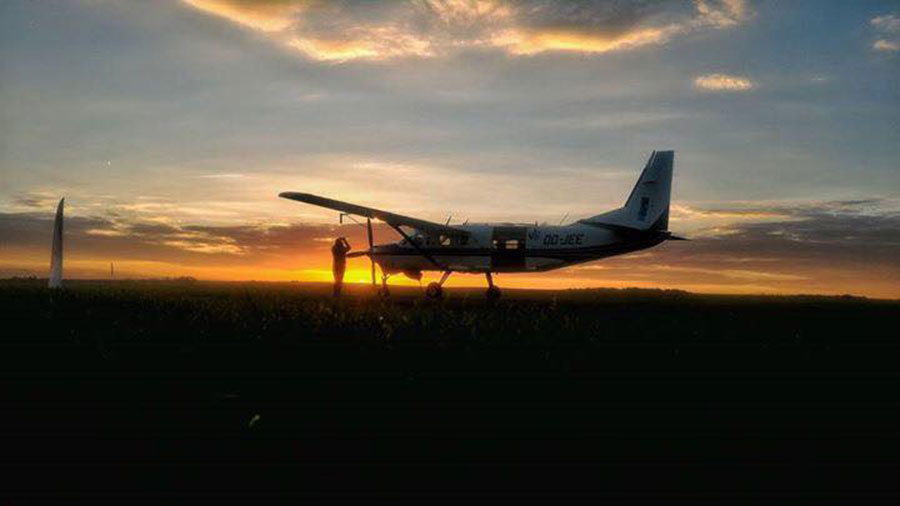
<point>332,32</point>
<point>266,16</point>
<point>376,44</point>
<point>524,43</point>
<point>886,45</point>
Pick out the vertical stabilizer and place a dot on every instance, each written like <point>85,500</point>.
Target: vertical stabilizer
<point>56,255</point>
<point>648,204</point>
<point>647,207</point>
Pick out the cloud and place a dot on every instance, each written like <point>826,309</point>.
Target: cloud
<point>886,24</point>
<point>266,16</point>
<point>343,31</point>
<point>528,43</point>
<point>222,176</point>
<point>723,82</point>
<point>847,246</point>
<point>376,44</point>
<point>35,200</point>
<point>185,245</point>
<point>722,14</point>
<point>886,45</point>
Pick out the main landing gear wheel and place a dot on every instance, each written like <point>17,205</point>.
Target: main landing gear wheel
<point>434,291</point>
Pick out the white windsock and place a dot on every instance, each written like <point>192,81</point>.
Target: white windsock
<point>56,256</point>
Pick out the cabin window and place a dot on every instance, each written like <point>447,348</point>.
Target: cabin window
<point>509,244</point>
<point>463,240</point>
<point>444,240</point>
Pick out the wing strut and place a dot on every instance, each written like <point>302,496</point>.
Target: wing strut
<point>371,247</point>
<point>419,248</point>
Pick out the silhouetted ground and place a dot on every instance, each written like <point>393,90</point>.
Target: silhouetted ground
<point>246,390</point>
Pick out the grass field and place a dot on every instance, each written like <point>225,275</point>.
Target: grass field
<point>115,387</point>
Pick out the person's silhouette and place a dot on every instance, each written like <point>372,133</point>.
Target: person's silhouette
<point>339,254</point>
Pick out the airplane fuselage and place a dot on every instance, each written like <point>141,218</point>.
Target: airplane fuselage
<point>511,248</point>
<point>641,223</point>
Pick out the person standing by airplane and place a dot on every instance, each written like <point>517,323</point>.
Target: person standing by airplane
<point>339,254</point>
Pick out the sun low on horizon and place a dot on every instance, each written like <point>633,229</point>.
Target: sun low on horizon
<point>171,127</point>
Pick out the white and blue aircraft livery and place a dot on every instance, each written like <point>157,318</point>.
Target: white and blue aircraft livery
<point>641,223</point>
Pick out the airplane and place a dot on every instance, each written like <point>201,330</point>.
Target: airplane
<point>641,223</point>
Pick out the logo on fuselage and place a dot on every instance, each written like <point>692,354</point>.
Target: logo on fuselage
<point>645,206</point>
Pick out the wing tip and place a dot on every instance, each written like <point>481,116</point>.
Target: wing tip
<point>293,195</point>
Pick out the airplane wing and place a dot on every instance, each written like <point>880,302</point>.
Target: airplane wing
<point>396,220</point>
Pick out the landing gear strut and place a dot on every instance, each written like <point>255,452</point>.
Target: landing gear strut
<point>493,293</point>
<point>384,292</point>
<point>435,290</point>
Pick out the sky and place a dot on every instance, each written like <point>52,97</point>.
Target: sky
<point>171,127</point>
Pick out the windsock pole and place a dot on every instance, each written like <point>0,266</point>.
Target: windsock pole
<point>56,254</point>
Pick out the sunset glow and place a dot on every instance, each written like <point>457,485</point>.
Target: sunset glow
<point>171,128</point>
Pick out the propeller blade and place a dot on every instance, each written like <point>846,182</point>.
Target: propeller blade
<point>356,254</point>
<point>371,247</point>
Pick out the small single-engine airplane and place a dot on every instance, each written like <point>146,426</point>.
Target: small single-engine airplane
<point>506,247</point>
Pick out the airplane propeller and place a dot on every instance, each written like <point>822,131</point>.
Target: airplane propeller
<point>368,252</point>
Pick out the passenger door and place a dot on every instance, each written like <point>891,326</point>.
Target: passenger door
<point>508,248</point>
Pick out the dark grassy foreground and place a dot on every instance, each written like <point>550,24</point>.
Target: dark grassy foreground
<point>255,390</point>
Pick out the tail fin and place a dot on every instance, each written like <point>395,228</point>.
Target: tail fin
<point>647,208</point>
<point>649,200</point>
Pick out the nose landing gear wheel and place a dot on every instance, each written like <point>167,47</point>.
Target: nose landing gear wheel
<point>434,291</point>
